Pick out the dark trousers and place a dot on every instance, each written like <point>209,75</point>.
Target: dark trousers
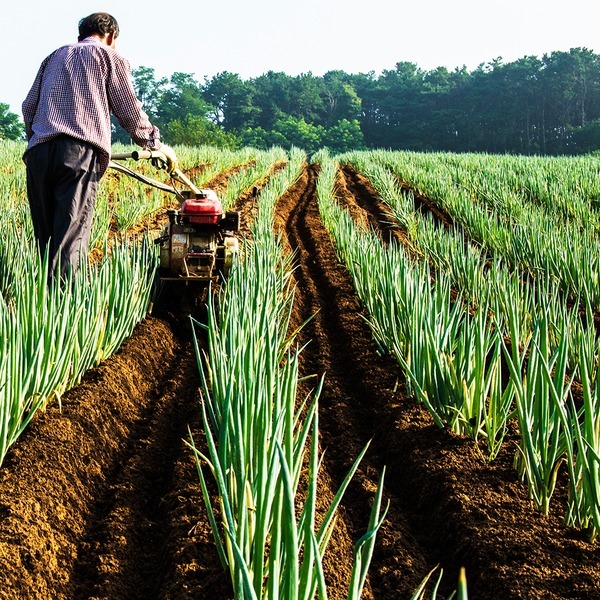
<point>62,182</point>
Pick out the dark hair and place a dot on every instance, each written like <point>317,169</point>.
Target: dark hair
<point>98,23</point>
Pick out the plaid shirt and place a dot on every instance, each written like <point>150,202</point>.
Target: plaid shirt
<point>74,92</point>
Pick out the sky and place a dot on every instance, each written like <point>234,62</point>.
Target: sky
<point>252,37</point>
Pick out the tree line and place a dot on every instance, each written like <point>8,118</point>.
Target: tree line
<point>548,105</point>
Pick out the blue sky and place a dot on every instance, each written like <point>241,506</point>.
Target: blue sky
<point>250,38</point>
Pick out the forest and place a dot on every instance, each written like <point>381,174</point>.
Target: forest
<point>547,105</point>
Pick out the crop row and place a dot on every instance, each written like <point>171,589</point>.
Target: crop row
<point>258,437</point>
<point>509,346</point>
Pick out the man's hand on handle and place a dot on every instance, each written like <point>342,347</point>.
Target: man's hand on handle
<point>172,163</point>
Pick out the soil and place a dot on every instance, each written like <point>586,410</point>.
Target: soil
<point>100,497</point>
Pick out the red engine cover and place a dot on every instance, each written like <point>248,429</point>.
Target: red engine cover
<point>207,210</point>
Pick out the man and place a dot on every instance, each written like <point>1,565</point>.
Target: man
<point>67,120</point>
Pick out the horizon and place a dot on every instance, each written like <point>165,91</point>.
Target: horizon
<point>251,40</point>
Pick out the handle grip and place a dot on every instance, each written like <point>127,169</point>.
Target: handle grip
<point>149,154</point>
<point>139,155</point>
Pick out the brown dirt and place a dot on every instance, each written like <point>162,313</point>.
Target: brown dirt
<point>448,506</point>
<point>100,499</point>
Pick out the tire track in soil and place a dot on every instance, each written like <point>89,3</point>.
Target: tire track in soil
<point>379,215</point>
<point>356,381</point>
<point>133,520</point>
<point>369,208</point>
<point>150,538</point>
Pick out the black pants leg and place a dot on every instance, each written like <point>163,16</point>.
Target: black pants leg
<point>62,183</point>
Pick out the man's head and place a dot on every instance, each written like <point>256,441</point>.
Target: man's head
<point>100,24</point>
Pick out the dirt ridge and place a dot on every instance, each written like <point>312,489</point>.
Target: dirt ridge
<point>91,492</point>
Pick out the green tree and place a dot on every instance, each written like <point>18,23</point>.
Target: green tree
<point>586,139</point>
<point>399,111</point>
<point>572,95</point>
<point>297,132</point>
<point>178,106</point>
<point>255,137</point>
<point>287,132</point>
<point>520,111</point>
<point>11,127</point>
<point>442,96</point>
<point>231,100</point>
<point>306,98</point>
<point>195,130</point>
<point>340,98</point>
<point>365,86</point>
<point>182,96</point>
<point>148,89</point>
<point>545,105</point>
<point>344,136</point>
<point>488,97</point>
<point>271,98</point>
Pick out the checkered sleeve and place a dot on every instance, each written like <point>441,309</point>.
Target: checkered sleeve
<point>126,107</point>
<point>30,104</point>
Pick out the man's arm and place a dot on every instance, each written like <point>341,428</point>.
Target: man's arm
<point>30,104</point>
<point>125,105</point>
